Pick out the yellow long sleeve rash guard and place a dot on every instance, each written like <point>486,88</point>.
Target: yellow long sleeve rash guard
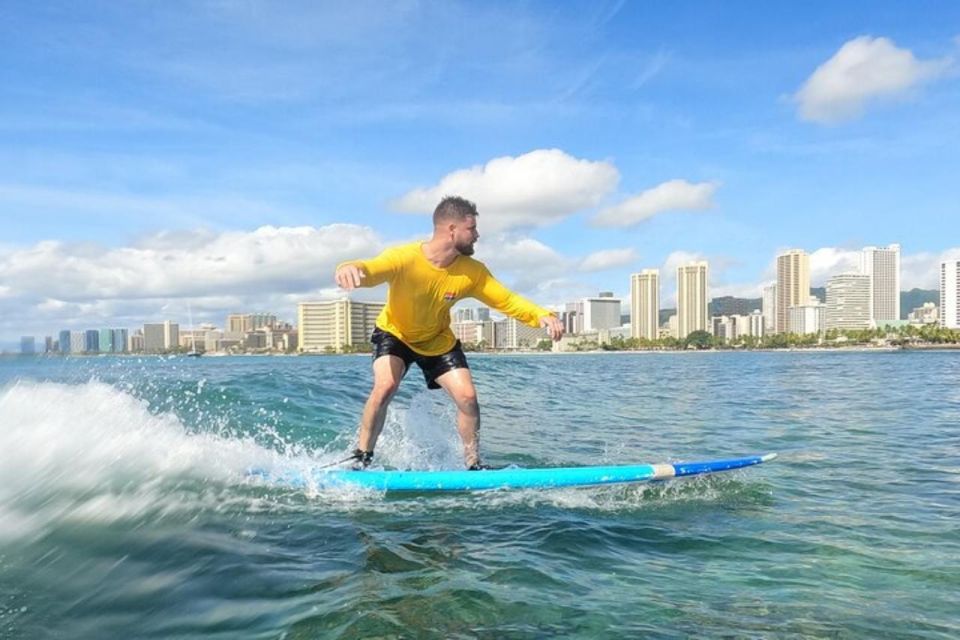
<point>421,294</point>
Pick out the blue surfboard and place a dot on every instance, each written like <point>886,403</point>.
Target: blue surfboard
<point>509,478</point>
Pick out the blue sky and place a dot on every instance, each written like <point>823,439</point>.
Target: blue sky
<point>225,155</point>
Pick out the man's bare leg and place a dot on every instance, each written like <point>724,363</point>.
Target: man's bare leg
<point>388,371</point>
<point>459,384</point>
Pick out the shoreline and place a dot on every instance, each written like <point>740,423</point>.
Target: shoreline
<point>851,349</point>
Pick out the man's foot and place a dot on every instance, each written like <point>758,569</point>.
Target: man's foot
<point>362,459</point>
<point>479,466</point>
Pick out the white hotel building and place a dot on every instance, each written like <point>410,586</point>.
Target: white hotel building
<point>950,294</point>
<point>848,302</point>
<point>882,264</point>
<point>645,304</point>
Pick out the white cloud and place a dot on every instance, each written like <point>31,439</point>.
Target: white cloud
<point>668,275</point>
<point>917,271</point>
<point>523,263</point>
<point>922,270</point>
<point>830,261</point>
<point>863,70</point>
<point>673,195</point>
<point>267,259</point>
<point>73,285</point>
<point>608,259</point>
<point>534,189</point>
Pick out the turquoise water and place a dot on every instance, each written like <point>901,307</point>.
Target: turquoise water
<point>125,511</point>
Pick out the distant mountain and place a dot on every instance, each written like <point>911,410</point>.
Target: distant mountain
<point>731,306</point>
<point>910,300</point>
<point>728,305</point>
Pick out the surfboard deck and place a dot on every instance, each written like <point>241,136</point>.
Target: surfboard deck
<point>508,478</point>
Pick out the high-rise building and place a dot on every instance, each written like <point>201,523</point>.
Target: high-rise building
<point>247,322</point>
<point>572,318</point>
<point>848,302</point>
<point>692,279</point>
<point>807,318</point>
<point>28,345</point>
<point>161,337</point>
<point>465,314</point>
<point>239,323</point>
<point>950,294</point>
<point>602,312</point>
<point>120,340</point>
<point>78,342</point>
<point>645,304</point>
<point>331,324</point>
<point>64,341</point>
<point>758,324</point>
<point>135,344</point>
<point>511,333</point>
<point>106,341</point>
<point>929,313</point>
<point>793,285</point>
<point>92,341</point>
<point>769,309</point>
<point>882,264</point>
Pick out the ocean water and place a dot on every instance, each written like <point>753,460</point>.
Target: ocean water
<point>125,510</point>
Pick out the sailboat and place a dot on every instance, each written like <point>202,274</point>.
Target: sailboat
<point>193,353</point>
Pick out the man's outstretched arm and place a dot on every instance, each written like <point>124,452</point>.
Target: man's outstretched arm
<point>498,297</point>
<point>366,273</point>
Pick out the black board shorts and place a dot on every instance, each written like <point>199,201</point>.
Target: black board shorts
<point>387,344</point>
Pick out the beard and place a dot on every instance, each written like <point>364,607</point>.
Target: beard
<point>465,249</point>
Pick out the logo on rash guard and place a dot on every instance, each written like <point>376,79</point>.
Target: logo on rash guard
<point>449,295</point>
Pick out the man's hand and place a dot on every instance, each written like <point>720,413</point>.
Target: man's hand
<point>349,276</point>
<point>553,325</point>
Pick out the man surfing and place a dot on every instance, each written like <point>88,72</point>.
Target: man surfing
<point>425,280</point>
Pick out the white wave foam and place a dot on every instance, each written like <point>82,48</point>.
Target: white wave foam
<point>91,451</point>
<point>422,435</point>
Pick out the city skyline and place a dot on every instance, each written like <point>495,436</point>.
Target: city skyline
<point>850,303</point>
<point>598,139</point>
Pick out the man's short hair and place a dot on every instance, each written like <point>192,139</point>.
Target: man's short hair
<point>454,208</point>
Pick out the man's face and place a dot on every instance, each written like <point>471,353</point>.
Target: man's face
<point>465,235</point>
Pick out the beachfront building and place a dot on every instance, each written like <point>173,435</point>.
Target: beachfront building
<point>882,264</point>
<point>602,312</point>
<point>120,340</point>
<point>243,323</point>
<point>793,285</point>
<point>645,304</point>
<point>734,327</point>
<point>758,324</point>
<point>511,333</point>
<point>929,313</point>
<point>91,341</point>
<point>330,325</point>
<point>769,307</point>
<point>724,327</point>
<point>572,318</point>
<point>692,281</point>
<point>78,342</point>
<point>471,314</point>
<point>106,341</point>
<point>848,302</point>
<point>63,341</point>
<point>950,294</point>
<point>161,337</point>
<point>807,318</point>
